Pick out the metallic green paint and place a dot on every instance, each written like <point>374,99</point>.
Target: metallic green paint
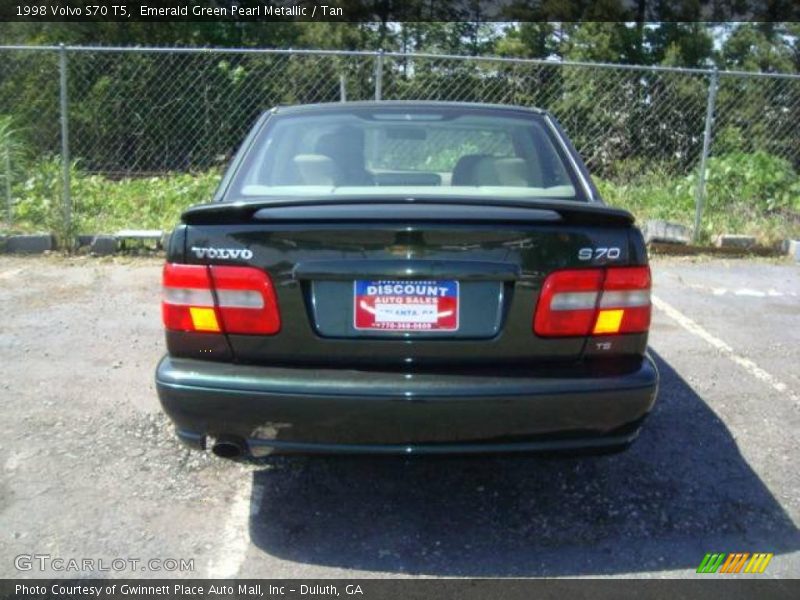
<point>406,392</point>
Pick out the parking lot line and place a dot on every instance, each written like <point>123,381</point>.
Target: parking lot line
<point>696,329</point>
<point>234,537</point>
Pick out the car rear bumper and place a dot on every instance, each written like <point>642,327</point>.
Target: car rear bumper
<point>340,410</point>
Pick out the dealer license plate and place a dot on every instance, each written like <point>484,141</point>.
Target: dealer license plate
<point>405,305</point>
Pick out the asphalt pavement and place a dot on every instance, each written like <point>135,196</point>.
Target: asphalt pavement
<point>91,470</point>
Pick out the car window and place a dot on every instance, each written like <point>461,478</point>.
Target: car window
<point>438,149</point>
<point>443,152</point>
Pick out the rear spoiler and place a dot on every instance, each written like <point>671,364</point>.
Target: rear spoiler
<point>360,209</point>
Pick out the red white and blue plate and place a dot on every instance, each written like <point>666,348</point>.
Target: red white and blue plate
<point>405,305</point>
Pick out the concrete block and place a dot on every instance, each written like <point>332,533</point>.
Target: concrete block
<point>30,244</point>
<point>731,240</point>
<point>103,245</point>
<point>792,248</point>
<point>657,230</point>
<point>140,234</point>
<point>85,240</point>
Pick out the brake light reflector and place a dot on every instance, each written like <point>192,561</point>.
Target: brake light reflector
<point>576,302</point>
<point>608,321</point>
<point>204,319</point>
<point>219,299</point>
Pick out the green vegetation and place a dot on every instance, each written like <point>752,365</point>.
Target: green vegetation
<point>102,205</point>
<point>750,193</point>
<point>12,154</point>
<point>136,112</point>
<point>183,114</point>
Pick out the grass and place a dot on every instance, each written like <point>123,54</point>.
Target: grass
<point>103,205</point>
<point>755,194</point>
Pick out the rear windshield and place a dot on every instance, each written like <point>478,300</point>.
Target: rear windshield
<point>448,152</point>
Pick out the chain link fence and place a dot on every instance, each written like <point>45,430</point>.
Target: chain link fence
<point>611,114</point>
<point>133,113</point>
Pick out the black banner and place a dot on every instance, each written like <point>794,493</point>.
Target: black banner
<point>394,589</point>
<point>385,11</point>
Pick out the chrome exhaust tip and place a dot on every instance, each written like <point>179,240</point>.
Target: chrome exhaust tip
<point>228,447</point>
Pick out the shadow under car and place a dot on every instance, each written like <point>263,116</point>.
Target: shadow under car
<point>683,489</point>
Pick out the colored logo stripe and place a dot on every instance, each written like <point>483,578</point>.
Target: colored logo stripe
<point>758,563</point>
<point>734,562</point>
<point>711,562</point>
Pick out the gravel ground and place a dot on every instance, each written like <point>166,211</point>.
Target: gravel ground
<point>91,468</point>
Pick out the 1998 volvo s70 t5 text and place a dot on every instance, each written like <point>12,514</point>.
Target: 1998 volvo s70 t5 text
<point>402,277</point>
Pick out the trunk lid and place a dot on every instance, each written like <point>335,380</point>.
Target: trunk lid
<point>340,267</point>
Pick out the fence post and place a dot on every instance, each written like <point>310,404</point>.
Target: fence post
<point>700,189</point>
<point>378,74</point>
<point>342,89</point>
<point>65,160</point>
<point>9,203</point>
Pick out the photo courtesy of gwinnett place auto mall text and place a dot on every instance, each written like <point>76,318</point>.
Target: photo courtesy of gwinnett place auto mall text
<point>382,300</point>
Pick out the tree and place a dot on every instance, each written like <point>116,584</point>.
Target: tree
<point>759,47</point>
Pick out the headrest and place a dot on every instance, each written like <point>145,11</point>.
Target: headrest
<point>345,140</point>
<point>316,169</point>
<point>464,171</point>
<point>511,172</point>
<point>492,171</point>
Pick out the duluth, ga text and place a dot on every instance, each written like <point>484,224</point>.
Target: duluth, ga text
<point>184,589</point>
<point>242,12</point>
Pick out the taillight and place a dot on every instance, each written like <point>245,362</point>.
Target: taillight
<point>219,299</point>
<point>568,303</point>
<point>188,302</point>
<point>246,300</point>
<point>581,302</point>
<point>625,303</point>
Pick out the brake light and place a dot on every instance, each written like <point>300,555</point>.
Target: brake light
<point>568,303</point>
<point>246,300</point>
<point>580,302</point>
<point>219,299</point>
